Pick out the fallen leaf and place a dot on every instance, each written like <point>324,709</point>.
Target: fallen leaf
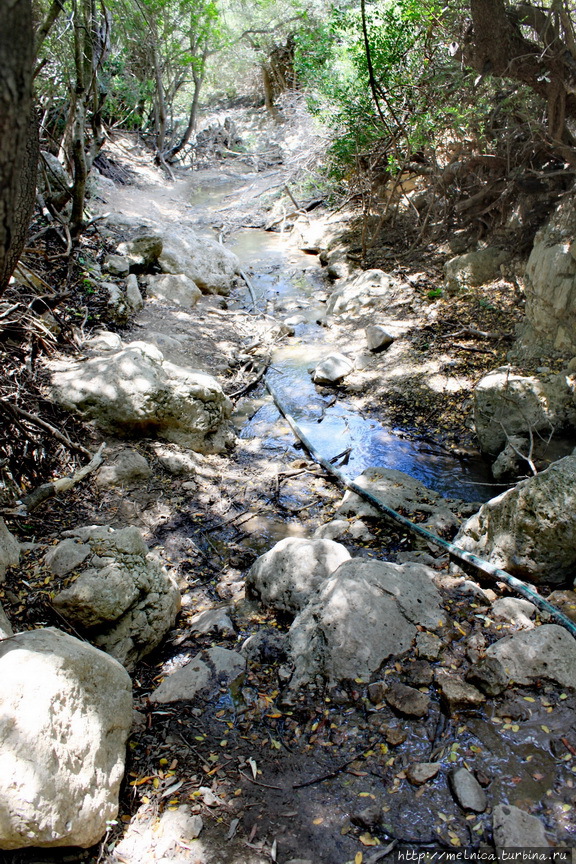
<point>367,840</point>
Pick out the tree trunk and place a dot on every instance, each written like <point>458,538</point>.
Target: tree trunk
<point>18,132</point>
<point>198,80</point>
<point>497,45</point>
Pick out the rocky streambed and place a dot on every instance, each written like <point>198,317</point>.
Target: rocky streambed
<point>310,682</point>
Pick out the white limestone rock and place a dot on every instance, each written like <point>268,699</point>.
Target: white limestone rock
<point>136,391</point>
<point>332,369</point>
<point>474,268</point>
<point>207,263</point>
<point>66,713</point>
<point>287,575</point>
<point>364,613</point>
<point>123,599</point>
<point>126,468</point>
<point>506,405</point>
<point>177,290</point>
<point>529,530</point>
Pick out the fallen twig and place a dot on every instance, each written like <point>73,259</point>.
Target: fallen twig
<point>62,484</point>
<point>249,286</point>
<point>251,384</point>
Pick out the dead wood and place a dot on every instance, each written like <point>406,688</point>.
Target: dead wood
<point>62,484</point>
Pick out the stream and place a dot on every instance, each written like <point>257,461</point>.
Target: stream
<point>291,286</point>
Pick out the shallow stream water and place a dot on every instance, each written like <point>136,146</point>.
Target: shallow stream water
<point>288,280</point>
<point>290,285</point>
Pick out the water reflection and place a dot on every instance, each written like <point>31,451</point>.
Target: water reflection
<point>335,428</point>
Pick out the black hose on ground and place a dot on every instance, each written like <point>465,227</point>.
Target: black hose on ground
<point>527,591</point>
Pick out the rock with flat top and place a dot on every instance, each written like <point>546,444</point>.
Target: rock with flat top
<point>201,676</point>
<point>515,829</point>
<point>135,391</point>
<point>175,289</point>
<point>407,700</point>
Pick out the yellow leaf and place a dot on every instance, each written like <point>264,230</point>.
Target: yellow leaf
<point>529,699</point>
<point>163,762</point>
<point>366,795</point>
<point>156,782</point>
<point>545,728</point>
<point>368,840</point>
<point>563,696</point>
<point>145,799</point>
<point>317,821</point>
<point>566,808</point>
<point>141,780</point>
<point>358,858</point>
<point>515,728</point>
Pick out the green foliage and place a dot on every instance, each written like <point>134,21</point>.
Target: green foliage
<point>332,61</point>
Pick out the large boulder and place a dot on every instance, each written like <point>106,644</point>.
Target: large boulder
<point>474,268</point>
<point>204,261</point>
<point>136,391</point>
<point>367,290</point>
<point>142,252</point>
<point>123,599</point>
<point>548,652</point>
<point>66,712</point>
<point>9,550</point>
<point>529,530</point>
<point>364,613</point>
<point>287,575</point>
<point>507,404</point>
<point>404,493</point>
<point>551,285</point>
